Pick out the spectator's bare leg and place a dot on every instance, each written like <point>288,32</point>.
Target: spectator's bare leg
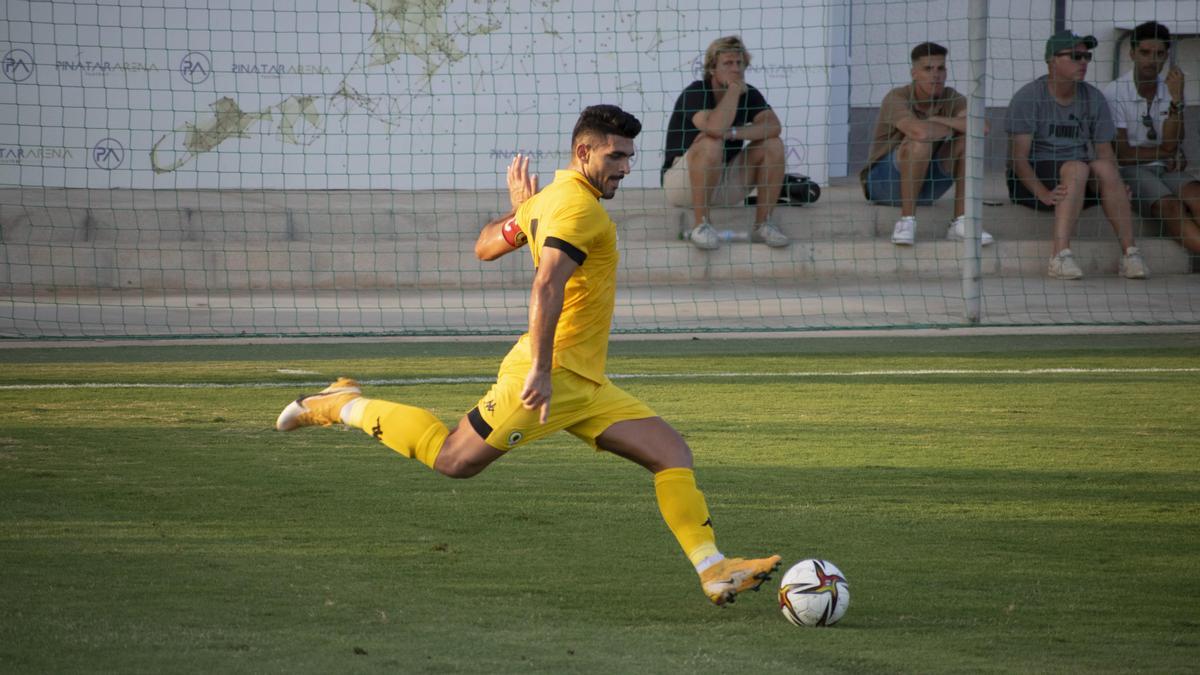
<point>765,162</point>
<point>1189,225</point>
<point>1179,222</point>
<point>1114,199</point>
<point>1074,176</point>
<point>913,158</point>
<point>706,162</point>
<point>958,151</point>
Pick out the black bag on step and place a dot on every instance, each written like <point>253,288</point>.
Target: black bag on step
<point>797,190</point>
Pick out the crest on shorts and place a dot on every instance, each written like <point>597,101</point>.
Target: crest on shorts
<point>514,438</point>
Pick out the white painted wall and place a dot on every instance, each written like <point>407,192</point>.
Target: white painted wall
<point>330,94</point>
<point>325,94</point>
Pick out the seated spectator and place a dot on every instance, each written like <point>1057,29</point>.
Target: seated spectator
<point>918,147</point>
<point>723,141</point>
<point>1147,110</point>
<point>1061,148</point>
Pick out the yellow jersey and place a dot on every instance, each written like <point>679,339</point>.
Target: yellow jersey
<point>567,215</point>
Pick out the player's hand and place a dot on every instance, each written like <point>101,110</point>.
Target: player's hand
<point>536,394</point>
<point>736,87</point>
<point>521,186</point>
<point>1175,83</point>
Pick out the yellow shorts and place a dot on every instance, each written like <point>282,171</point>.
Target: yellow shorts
<point>582,407</point>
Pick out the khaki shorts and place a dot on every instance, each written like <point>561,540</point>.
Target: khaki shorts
<point>1149,184</point>
<point>732,190</point>
<point>582,407</point>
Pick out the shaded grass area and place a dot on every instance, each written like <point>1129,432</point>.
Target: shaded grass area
<point>992,523</point>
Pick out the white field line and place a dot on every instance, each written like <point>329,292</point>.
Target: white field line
<point>616,376</point>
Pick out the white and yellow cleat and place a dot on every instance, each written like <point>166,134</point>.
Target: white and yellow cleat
<point>726,578</point>
<point>324,408</point>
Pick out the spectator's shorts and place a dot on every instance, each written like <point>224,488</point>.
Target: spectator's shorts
<point>1048,172</point>
<point>1149,183</point>
<point>732,189</point>
<point>883,180</point>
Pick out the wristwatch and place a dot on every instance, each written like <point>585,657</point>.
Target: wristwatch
<point>733,133</point>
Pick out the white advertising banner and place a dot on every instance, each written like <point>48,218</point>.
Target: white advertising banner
<point>377,94</point>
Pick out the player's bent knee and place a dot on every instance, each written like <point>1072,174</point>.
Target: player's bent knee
<point>457,467</point>
<point>650,443</point>
<point>460,458</point>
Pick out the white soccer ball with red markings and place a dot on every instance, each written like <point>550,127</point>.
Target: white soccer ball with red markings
<point>814,593</point>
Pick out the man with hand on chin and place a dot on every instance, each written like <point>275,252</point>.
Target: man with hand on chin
<point>1147,108</point>
<point>723,141</point>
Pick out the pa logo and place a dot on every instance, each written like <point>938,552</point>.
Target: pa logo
<point>195,67</point>
<point>18,65</point>
<point>108,154</point>
<point>514,438</point>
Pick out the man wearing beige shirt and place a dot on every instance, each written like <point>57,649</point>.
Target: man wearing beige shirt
<point>918,145</point>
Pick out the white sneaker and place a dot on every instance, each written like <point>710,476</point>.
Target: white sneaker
<point>1062,266</point>
<point>704,237</point>
<point>958,231</point>
<point>769,233</point>
<point>1132,266</point>
<point>905,231</point>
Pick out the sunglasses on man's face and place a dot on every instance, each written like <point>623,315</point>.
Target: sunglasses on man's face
<point>1077,56</point>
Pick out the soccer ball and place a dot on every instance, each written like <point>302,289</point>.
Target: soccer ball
<point>814,593</point>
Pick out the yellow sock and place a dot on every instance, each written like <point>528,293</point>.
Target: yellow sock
<point>683,508</point>
<point>412,432</point>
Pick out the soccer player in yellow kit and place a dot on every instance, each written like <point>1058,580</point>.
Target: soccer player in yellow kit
<point>553,378</point>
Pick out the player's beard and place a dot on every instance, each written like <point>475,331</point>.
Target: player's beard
<point>615,181</point>
<point>606,185</point>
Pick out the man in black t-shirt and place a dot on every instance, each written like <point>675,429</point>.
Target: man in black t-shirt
<point>723,141</point>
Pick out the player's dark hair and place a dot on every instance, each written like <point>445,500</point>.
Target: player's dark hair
<point>1151,30</point>
<point>601,120</point>
<point>928,49</point>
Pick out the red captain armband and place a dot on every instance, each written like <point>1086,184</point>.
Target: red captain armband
<point>513,234</point>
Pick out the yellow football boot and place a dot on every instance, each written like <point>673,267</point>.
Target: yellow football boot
<point>324,408</point>
<point>725,579</point>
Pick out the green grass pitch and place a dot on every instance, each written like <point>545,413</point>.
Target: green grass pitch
<point>992,511</point>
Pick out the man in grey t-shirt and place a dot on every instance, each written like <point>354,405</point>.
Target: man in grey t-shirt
<point>1061,135</point>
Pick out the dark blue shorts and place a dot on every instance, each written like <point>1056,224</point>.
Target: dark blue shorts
<point>883,181</point>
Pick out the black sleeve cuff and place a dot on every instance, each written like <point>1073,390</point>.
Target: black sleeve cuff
<point>566,247</point>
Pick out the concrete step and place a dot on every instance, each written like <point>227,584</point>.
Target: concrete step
<point>149,218</point>
<point>381,265</point>
<point>341,240</point>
